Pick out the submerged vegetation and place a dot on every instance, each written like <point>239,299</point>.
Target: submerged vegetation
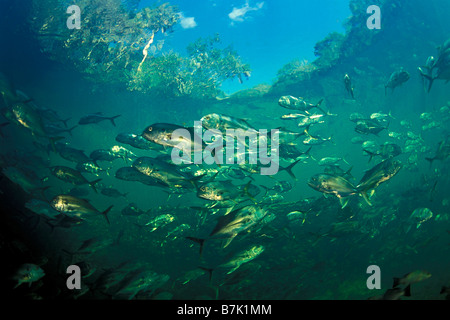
<point>119,46</point>
<point>200,74</point>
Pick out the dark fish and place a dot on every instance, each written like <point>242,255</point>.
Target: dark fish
<point>79,192</point>
<point>385,151</point>
<point>87,269</point>
<point>446,290</point>
<point>132,210</point>
<point>397,78</point>
<point>439,68</point>
<point>64,221</point>
<point>91,245</point>
<point>71,154</point>
<point>344,228</point>
<point>96,118</point>
<point>367,126</point>
<point>338,171</point>
<point>380,173</point>
<point>7,90</point>
<point>50,115</point>
<point>2,125</point>
<point>348,85</point>
<point>113,193</point>
<point>132,174</point>
<point>397,293</point>
<point>442,152</point>
<point>55,130</point>
<point>412,277</point>
<point>26,179</point>
<point>72,176</point>
<point>279,187</point>
<point>103,155</point>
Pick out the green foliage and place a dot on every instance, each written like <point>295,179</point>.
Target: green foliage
<point>328,50</point>
<point>110,39</point>
<point>115,45</point>
<point>200,74</point>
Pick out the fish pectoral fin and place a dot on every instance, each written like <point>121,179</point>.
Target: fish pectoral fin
<point>343,202</point>
<point>228,240</point>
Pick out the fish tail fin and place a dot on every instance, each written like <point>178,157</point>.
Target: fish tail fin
<point>248,194</point>
<point>307,151</point>
<point>430,81</point>
<point>365,196</point>
<point>318,106</point>
<point>69,253</point>
<point>396,282</point>
<point>65,121</point>
<point>371,155</point>
<point>119,236</point>
<point>209,270</point>
<point>41,191</point>
<point>92,184</point>
<point>52,141</point>
<point>390,115</point>
<point>308,134</point>
<point>265,188</point>
<point>288,169</point>
<point>430,160</point>
<point>105,214</point>
<point>52,227</point>
<point>70,130</point>
<point>112,119</point>
<point>319,103</point>
<point>195,180</point>
<point>200,241</point>
<point>343,159</point>
<point>408,291</point>
<point>348,173</point>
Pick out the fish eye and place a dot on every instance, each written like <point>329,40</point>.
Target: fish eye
<point>150,128</point>
<point>203,189</point>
